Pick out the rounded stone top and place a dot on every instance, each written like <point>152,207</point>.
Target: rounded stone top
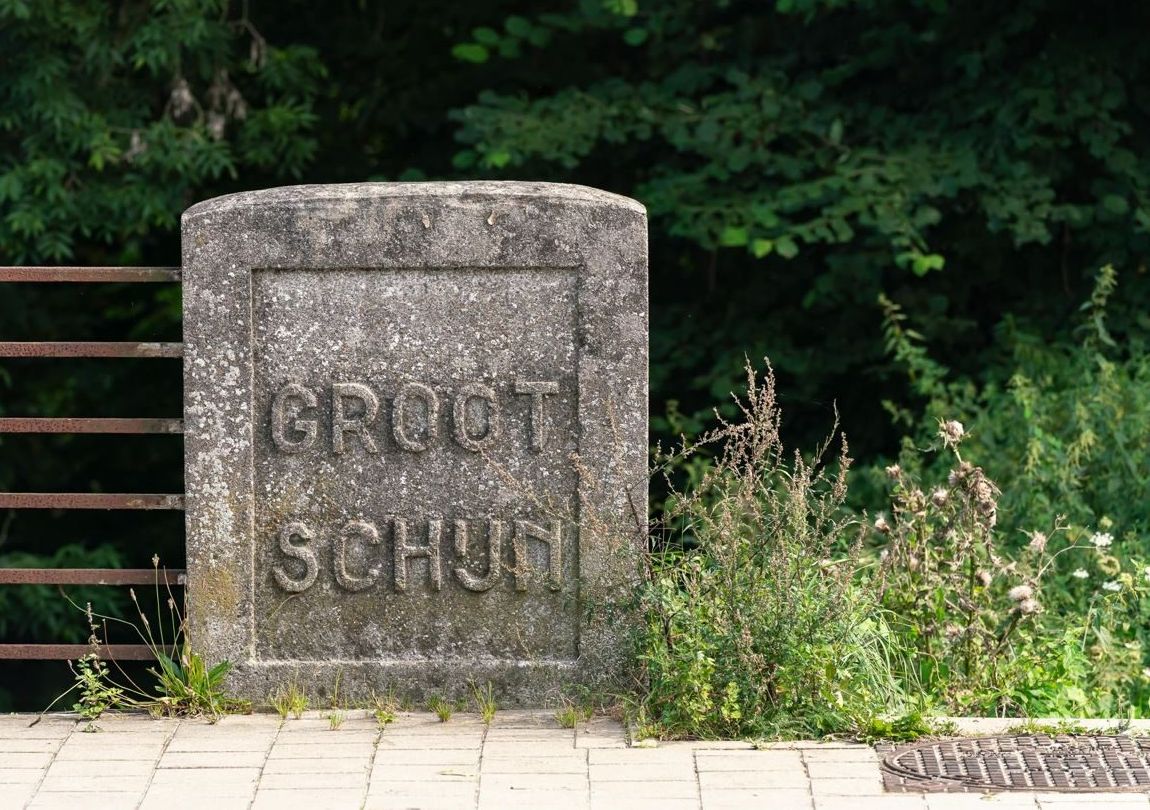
<point>441,192</point>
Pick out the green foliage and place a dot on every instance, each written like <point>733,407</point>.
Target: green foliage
<point>289,699</point>
<point>1063,426</point>
<point>384,708</point>
<point>441,707</point>
<point>188,687</point>
<point>484,699</point>
<point>756,623</point>
<point>570,714</point>
<point>113,116</point>
<point>797,158</point>
<point>748,134</point>
<point>97,694</point>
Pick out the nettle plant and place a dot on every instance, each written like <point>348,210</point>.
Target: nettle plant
<point>975,609</point>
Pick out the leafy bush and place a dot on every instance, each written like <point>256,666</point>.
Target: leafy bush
<point>756,623</point>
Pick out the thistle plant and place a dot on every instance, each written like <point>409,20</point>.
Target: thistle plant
<point>968,604</point>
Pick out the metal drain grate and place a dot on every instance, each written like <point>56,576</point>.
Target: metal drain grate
<point>1067,762</point>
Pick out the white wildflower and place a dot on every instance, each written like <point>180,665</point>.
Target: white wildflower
<point>1112,586</point>
<point>985,578</point>
<point>1020,592</point>
<point>1102,539</point>
<point>881,525</point>
<point>939,496</point>
<point>1038,542</point>
<point>1028,607</point>
<point>1081,573</point>
<point>893,471</point>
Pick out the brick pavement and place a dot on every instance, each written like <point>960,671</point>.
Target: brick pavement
<point>523,760</point>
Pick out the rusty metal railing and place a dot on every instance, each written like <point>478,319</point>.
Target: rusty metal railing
<point>84,500</point>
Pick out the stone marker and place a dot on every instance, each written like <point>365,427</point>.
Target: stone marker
<point>416,435</point>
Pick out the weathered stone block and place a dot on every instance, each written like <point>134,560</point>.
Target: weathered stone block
<point>415,434</point>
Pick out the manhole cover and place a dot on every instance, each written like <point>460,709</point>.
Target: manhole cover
<point>1043,763</point>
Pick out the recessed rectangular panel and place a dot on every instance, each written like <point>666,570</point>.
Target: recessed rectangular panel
<point>414,430</point>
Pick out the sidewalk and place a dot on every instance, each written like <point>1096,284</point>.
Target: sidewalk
<point>523,760</point>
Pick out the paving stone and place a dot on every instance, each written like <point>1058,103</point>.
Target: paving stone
<point>839,754</point>
<point>132,752</point>
<point>887,802</point>
<point>528,749</point>
<point>427,756</point>
<point>756,779</point>
<point>313,781</point>
<point>287,751</point>
<point>212,759</point>
<point>18,776</point>
<point>350,765</point>
<point>642,772</point>
<point>398,802</point>
<point>825,786</point>
<point>974,801</point>
<point>772,799</point>
<point>533,800</point>
<point>333,799</point>
<point>1064,801</point>
<point>830,769</point>
<point>25,760</point>
<point>207,793</point>
<point>223,742</point>
<point>16,795</point>
<point>382,772</point>
<point>749,761</point>
<point>103,783</point>
<point>119,800</point>
<point>574,763</point>
<point>22,745</point>
<point>462,793</point>
<point>199,777</point>
<point>195,802</point>
<point>654,789</point>
<point>558,782</point>
<point>679,757</point>
<point>100,767</point>
<point>428,741</point>
<point>644,804</point>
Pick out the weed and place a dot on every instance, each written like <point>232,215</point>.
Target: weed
<point>442,708</point>
<point>184,684</point>
<point>335,719</point>
<point>384,708</point>
<point>571,714</point>
<point>484,698</point>
<point>97,693</point>
<point>1034,727</point>
<point>289,699</point>
<point>755,620</point>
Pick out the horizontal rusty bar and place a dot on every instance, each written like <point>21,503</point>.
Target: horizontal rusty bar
<point>88,500</point>
<point>89,576</point>
<point>68,652</point>
<point>90,349</point>
<point>90,275</point>
<point>25,424</point>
